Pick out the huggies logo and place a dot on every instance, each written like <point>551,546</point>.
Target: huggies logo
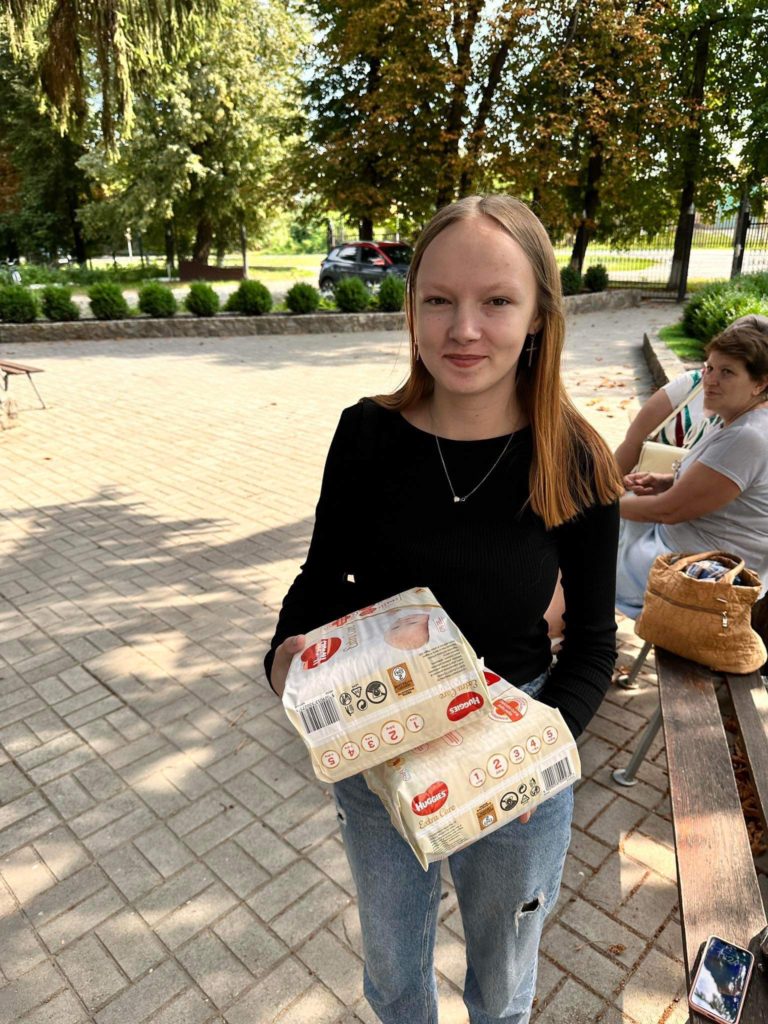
<point>464,705</point>
<point>322,651</point>
<point>431,800</point>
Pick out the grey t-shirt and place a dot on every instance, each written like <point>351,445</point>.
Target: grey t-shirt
<point>740,452</point>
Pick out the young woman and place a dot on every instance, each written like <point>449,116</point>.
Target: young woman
<point>478,479</point>
<point>719,498</point>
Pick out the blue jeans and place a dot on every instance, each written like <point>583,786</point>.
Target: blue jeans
<point>506,884</point>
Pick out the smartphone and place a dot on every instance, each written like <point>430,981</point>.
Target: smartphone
<point>720,986</point>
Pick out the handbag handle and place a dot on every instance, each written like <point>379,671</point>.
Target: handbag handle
<point>728,577</point>
<point>691,394</point>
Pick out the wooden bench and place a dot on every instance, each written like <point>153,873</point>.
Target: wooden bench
<point>716,874</point>
<point>9,370</point>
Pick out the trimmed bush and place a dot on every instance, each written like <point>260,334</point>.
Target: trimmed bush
<point>18,305</point>
<point>157,300</point>
<point>351,295</point>
<point>108,302</point>
<point>596,278</point>
<point>302,298</point>
<point>58,304</point>
<point>391,294</point>
<point>252,298</point>
<point>711,309</point>
<point>570,280</point>
<point>201,299</point>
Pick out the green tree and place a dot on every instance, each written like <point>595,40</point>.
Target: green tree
<point>720,71</point>
<point>43,187</point>
<point>211,134</point>
<point>120,39</point>
<point>584,134</point>
<point>400,96</point>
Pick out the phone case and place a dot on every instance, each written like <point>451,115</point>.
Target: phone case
<point>729,1014</point>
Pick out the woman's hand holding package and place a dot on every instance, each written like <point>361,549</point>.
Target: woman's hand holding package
<point>648,483</point>
<point>283,657</point>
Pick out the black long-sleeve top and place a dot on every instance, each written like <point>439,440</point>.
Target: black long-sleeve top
<point>386,521</point>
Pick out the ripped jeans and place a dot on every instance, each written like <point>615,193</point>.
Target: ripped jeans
<point>506,884</point>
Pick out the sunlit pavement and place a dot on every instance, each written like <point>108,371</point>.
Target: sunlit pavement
<point>165,852</point>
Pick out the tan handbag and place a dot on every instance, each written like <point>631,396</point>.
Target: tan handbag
<point>656,457</point>
<point>707,621</point>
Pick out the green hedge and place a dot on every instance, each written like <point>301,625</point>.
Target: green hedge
<point>18,305</point>
<point>201,299</point>
<point>58,304</point>
<point>108,302</point>
<point>711,309</point>
<point>351,295</point>
<point>252,298</point>
<point>302,298</point>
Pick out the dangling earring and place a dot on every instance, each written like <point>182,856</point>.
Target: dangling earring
<point>530,347</point>
<point>417,356</point>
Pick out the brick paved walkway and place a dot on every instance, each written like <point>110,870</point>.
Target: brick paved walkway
<point>165,853</point>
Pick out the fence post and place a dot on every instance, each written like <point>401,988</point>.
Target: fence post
<point>690,218</point>
<point>740,234</point>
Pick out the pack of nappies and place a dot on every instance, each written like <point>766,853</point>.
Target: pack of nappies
<point>381,681</point>
<point>504,761</point>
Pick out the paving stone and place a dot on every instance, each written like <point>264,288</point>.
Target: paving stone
<point>131,943</point>
<point>27,830</point>
<point>656,985</point>
<point>272,899</point>
<point>68,796</point>
<point>601,972</point>
<point>234,867</point>
<point>606,934</point>
<point>334,964</point>
<point>252,793</point>
<point>589,800</point>
<point>20,948</point>
<point>218,973</point>
<point>92,972</point>
<point>167,898</point>
<point>26,874</point>
<point>146,996</point>
<point>22,807</point>
<point>265,847</point>
<point>130,872</point>
<point>63,1008</point>
<point>81,919</point>
<point>316,1004</point>
<point>196,913</point>
<point>99,779</point>
<point>250,941</point>
<point>269,998</point>
<point>13,783</point>
<point>160,794</point>
<point>29,991</point>
<point>189,1008</point>
<point>309,912</point>
<point>619,818</point>
<point>573,1004</point>
<point>163,850</point>
<point>331,859</point>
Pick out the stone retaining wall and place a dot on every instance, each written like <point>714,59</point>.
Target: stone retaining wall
<point>229,324</point>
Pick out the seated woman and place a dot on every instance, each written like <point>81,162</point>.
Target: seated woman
<point>718,500</point>
<point>692,422</point>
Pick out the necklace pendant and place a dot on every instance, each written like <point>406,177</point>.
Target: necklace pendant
<point>457,499</point>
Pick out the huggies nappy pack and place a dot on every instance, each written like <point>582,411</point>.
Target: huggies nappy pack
<point>381,681</point>
<point>504,761</point>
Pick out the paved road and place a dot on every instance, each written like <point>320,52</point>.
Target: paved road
<point>165,853</point>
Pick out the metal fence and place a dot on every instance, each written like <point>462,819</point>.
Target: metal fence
<point>647,262</point>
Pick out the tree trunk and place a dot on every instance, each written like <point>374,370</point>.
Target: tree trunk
<point>170,248</point>
<point>365,229</point>
<point>457,110</point>
<point>203,240</point>
<point>244,249</point>
<point>586,228</point>
<point>690,151</point>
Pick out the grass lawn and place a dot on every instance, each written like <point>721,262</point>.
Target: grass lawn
<point>687,348</point>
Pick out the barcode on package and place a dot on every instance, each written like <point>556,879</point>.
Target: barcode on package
<point>318,713</point>
<point>556,774</point>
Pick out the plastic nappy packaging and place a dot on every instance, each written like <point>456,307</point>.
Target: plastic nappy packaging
<point>380,681</point>
<point>448,793</point>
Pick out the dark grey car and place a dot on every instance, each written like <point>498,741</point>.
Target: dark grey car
<point>370,261</point>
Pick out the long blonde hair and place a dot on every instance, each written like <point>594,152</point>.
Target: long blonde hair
<point>572,467</point>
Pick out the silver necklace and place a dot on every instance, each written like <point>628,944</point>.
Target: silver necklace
<point>457,499</point>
